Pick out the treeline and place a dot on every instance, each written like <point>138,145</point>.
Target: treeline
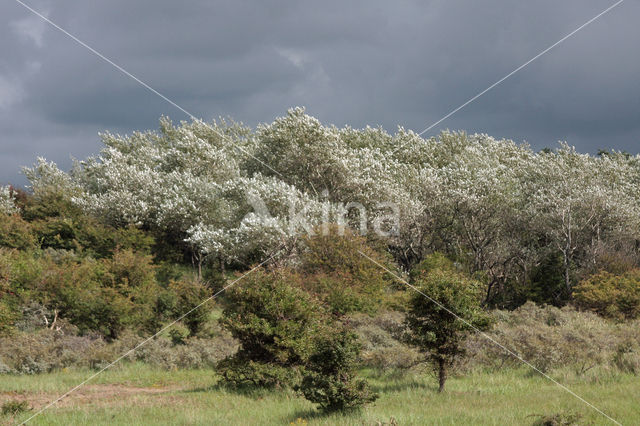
<point>529,225</point>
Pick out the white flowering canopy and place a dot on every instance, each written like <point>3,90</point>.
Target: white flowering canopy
<point>230,191</point>
<point>7,204</point>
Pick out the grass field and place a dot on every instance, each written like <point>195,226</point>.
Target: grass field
<point>140,395</point>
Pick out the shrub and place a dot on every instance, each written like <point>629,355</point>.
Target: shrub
<point>337,272</point>
<point>99,240</point>
<point>16,233</point>
<point>612,296</point>
<point>76,290</point>
<point>382,338</point>
<point>188,295</point>
<point>5,369</point>
<point>330,380</point>
<point>192,353</point>
<point>47,350</point>
<point>553,338</point>
<point>627,356</point>
<point>52,203</point>
<point>8,316</point>
<point>8,312</point>
<point>274,321</point>
<point>104,295</point>
<point>439,329</point>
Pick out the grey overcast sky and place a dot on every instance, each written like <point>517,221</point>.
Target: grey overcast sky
<point>401,63</point>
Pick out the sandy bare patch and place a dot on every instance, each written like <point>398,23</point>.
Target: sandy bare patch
<point>101,395</point>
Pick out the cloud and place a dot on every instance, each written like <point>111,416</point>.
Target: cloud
<point>10,92</point>
<point>31,28</point>
<point>360,63</point>
<point>298,59</point>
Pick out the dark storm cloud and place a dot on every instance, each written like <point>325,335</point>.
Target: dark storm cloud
<point>361,63</point>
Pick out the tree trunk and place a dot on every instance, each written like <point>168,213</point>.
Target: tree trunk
<point>442,374</point>
<point>567,273</point>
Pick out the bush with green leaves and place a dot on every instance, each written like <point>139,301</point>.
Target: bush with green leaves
<point>8,316</point>
<point>189,295</point>
<point>16,233</point>
<point>330,378</point>
<point>8,311</point>
<point>610,295</point>
<point>104,295</point>
<point>274,321</point>
<point>336,270</point>
<point>442,314</point>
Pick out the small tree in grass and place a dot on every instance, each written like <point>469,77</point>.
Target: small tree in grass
<point>330,379</point>
<point>439,329</point>
<point>274,321</point>
<point>287,339</point>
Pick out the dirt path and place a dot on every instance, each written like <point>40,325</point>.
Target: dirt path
<point>103,395</point>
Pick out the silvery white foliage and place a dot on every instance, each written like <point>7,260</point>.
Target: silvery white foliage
<point>485,200</point>
<point>46,178</point>
<point>169,179</point>
<point>267,212</point>
<point>580,201</point>
<point>186,180</point>
<point>7,204</point>
<point>477,212</point>
<point>300,150</point>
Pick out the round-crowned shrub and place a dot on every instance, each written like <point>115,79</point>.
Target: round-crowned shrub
<point>330,378</point>
<point>274,321</point>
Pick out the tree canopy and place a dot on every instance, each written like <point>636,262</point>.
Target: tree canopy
<point>497,207</point>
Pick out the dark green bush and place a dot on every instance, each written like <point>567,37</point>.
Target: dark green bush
<point>188,295</point>
<point>330,376</point>
<point>274,321</point>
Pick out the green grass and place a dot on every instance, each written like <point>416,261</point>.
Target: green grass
<point>136,394</point>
